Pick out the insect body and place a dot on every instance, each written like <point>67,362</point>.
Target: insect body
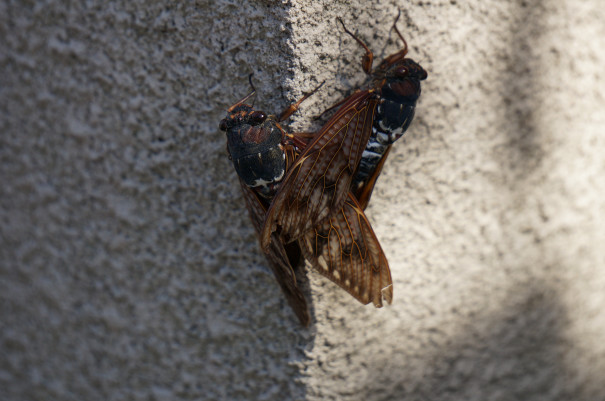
<point>349,151</point>
<point>255,145</point>
<point>342,246</point>
<point>398,95</point>
<point>396,85</point>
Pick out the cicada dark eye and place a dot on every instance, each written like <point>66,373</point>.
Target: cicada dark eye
<point>223,125</point>
<point>402,71</point>
<point>257,117</point>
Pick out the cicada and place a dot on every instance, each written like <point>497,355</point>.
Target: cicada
<point>396,85</point>
<point>342,246</point>
<point>347,154</point>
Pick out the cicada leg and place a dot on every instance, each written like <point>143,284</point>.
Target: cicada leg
<point>405,44</point>
<point>300,139</point>
<point>248,96</point>
<point>338,104</point>
<point>291,109</point>
<point>368,58</point>
<point>400,55</point>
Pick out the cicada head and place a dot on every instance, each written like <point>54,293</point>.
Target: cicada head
<point>400,74</point>
<point>400,81</point>
<point>254,141</point>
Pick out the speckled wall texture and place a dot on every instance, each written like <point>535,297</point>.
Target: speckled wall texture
<point>129,269</point>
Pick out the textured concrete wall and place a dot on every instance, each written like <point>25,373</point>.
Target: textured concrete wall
<point>129,269</point>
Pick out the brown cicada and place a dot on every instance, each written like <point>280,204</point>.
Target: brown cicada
<point>347,154</point>
<point>342,246</point>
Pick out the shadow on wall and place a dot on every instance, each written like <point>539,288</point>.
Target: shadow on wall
<point>521,351</point>
<point>519,91</point>
<point>250,340</point>
<point>516,354</point>
<point>121,211</point>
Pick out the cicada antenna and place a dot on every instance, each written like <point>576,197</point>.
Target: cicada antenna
<point>252,86</point>
<point>250,81</point>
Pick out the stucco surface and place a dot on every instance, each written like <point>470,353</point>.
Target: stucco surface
<point>129,269</point>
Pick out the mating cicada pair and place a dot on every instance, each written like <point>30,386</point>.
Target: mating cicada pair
<point>306,194</point>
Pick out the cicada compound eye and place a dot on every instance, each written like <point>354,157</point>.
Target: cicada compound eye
<point>257,117</point>
<point>223,125</point>
<point>402,71</point>
<point>423,74</point>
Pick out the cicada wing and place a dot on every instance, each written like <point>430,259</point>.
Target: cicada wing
<point>345,249</point>
<point>280,260</point>
<point>284,274</point>
<point>363,192</point>
<point>317,184</point>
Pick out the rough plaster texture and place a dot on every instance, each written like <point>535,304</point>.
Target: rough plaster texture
<point>129,269</point>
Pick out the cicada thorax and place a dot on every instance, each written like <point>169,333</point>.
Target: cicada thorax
<point>256,145</point>
<point>399,90</point>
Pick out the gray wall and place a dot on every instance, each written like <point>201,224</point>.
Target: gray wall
<point>129,269</point>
